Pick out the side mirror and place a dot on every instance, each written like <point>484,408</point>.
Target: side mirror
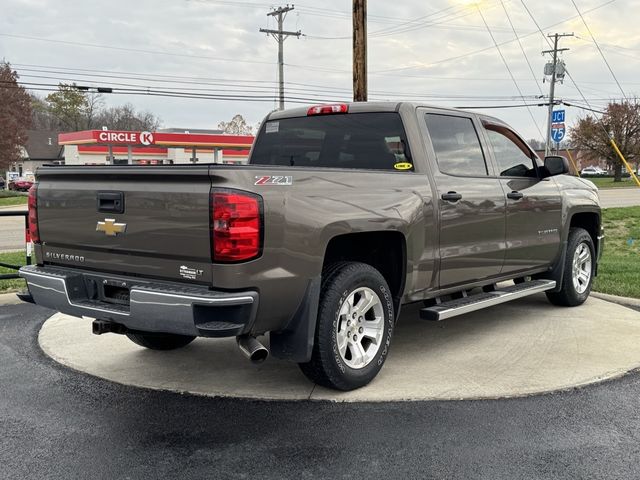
<point>556,165</point>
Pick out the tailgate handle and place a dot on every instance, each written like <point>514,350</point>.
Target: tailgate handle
<point>111,202</point>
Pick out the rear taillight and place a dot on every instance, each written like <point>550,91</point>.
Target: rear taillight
<point>236,226</point>
<point>328,109</point>
<point>34,234</point>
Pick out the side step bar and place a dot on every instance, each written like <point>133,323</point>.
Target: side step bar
<point>471,303</point>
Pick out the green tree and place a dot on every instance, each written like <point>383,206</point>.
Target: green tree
<point>622,122</point>
<point>15,116</point>
<point>70,106</point>
<point>237,126</point>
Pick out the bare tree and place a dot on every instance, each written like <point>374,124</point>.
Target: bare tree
<point>95,104</point>
<point>126,117</point>
<point>237,126</point>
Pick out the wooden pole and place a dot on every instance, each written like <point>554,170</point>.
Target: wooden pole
<point>359,50</point>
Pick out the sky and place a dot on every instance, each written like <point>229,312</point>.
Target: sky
<point>438,52</point>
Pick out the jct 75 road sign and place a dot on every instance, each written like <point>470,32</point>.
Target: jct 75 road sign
<point>557,132</point>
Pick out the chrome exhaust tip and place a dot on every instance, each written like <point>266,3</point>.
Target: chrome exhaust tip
<point>255,351</point>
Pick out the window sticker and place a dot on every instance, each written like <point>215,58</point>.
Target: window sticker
<point>403,166</point>
<point>272,127</point>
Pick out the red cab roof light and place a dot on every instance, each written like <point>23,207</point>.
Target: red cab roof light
<point>328,109</point>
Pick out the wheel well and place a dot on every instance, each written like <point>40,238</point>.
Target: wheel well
<point>590,221</point>
<point>385,251</point>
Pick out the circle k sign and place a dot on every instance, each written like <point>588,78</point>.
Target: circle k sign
<point>146,138</point>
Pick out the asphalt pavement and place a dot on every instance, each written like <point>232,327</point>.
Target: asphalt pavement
<point>58,423</point>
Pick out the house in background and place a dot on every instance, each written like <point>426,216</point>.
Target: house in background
<point>41,148</point>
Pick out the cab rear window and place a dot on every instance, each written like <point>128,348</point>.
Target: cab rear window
<point>375,141</point>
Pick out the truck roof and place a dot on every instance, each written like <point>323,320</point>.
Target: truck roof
<point>364,107</point>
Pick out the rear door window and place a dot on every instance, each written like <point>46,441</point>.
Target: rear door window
<point>374,141</point>
<point>456,145</point>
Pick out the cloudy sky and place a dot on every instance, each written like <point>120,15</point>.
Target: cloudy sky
<point>439,52</point>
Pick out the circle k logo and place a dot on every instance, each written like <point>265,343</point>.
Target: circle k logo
<point>146,138</point>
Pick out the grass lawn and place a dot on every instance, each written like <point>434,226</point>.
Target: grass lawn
<point>13,258</point>
<point>9,201</point>
<point>8,198</point>
<point>619,269</point>
<point>609,183</point>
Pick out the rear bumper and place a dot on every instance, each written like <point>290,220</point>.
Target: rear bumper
<point>153,306</point>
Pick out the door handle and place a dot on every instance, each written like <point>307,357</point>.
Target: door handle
<point>451,196</point>
<point>515,195</point>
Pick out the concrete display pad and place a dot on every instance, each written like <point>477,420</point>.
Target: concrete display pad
<point>520,348</point>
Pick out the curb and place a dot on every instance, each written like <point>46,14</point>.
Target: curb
<point>626,301</point>
<point>9,299</point>
<point>6,207</point>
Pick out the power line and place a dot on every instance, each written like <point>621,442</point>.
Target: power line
<point>153,52</point>
<point>533,75</point>
<point>85,75</point>
<point>599,49</point>
<point>481,50</point>
<point>508,69</point>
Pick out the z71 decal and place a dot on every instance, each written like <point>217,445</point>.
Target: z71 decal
<point>274,180</point>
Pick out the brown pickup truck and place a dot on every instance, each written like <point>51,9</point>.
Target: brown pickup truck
<point>344,214</point>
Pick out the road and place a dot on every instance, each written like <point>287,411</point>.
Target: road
<point>58,423</point>
<point>12,229</point>
<point>12,232</point>
<point>620,197</point>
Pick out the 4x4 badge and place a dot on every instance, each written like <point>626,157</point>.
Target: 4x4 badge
<point>110,227</point>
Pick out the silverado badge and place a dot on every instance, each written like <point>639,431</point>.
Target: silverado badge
<point>110,227</point>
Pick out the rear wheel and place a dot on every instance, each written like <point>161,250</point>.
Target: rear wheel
<point>160,341</point>
<point>353,329</point>
<point>579,268</point>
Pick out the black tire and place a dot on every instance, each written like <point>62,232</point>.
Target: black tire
<point>569,296</point>
<point>327,366</point>
<point>160,341</point>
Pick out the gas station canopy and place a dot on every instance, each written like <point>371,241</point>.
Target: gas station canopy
<point>156,144</point>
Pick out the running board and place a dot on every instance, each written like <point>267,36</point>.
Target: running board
<point>460,306</point>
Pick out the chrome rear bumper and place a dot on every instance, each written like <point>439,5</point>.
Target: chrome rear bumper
<point>152,306</point>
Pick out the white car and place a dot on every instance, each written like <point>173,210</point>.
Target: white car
<point>592,171</point>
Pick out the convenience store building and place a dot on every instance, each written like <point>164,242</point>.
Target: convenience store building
<point>171,146</point>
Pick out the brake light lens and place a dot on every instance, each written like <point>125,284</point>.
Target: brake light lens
<point>328,109</point>
<point>33,234</point>
<point>236,226</point>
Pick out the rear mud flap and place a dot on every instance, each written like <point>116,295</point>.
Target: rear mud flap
<point>295,343</point>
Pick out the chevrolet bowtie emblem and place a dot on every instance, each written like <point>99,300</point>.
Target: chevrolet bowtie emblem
<point>110,227</point>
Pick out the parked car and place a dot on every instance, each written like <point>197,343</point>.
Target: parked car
<point>2,183</point>
<point>344,214</point>
<point>592,171</point>
<point>20,185</point>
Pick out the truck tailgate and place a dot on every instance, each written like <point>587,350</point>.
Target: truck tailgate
<point>160,229</point>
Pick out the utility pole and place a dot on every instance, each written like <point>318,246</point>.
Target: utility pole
<point>555,74</point>
<point>280,36</point>
<point>359,50</point>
